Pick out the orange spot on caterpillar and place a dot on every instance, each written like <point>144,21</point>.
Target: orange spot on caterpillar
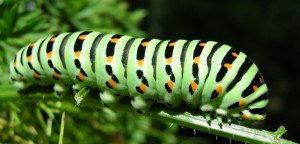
<point>36,75</point>
<point>82,37</point>
<point>169,60</point>
<point>53,39</point>
<point>219,89</point>
<point>80,76</point>
<point>261,80</point>
<point>109,59</point>
<point>140,62</point>
<point>15,64</point>
<point>77,54</point>
<point>114,40</point>
<point>245,116</point>
<point>29,58</point>
<point>112,83</point>
<point>22,78</point>
<point>196,60</point>
<point>202,44</point>
<point>193,85</point>
<point>170,84</point>
<point>49,54</point>
<point>31,45</point>
<point>228,66</point>
<point>234,54</point>
<point>56,75</point>
<point>254,87</point>
<point>145,44</point>
<point>172,44</point>
<point>143,87</point>
<point>242,102</point>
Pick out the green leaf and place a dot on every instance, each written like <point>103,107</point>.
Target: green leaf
<point>9,21</point>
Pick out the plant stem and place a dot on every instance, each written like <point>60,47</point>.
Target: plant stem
<point>180,116</point>
<point>62,127</point>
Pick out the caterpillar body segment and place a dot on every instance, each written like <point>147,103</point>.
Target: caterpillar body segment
<point>207,75</point>
<point>141,72</point>
<point>169,72</point>
<point>110,71</point>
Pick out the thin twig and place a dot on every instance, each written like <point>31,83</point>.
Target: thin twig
<point>179,116</point>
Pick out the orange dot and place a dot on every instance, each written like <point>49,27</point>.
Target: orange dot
<point>145,44</point>
<point>219,89</point>
<point>15,64</point>
<point>170,84</point>
<point>29,58</point>
<point>193,85</point>
<point>140,62</point>
<point>114,40</point>
<point>228,66</point>
<point>169,60</point>
<point>53,39</point>
<point>261,80</point>
<point>22,78</point>
<point>196,60</point>
<point>49,54</point>
<point>234,54</point>
<point>112,83</point>
<point>82,37</point>
<point>77,54</point>
<point>242,102</point>
<point>36,75</point>
<point>172,44</point>
<point>81,76</point>
<point>56,75</point>
<point>245,116</point>
<point>143,87</point>
<point>31,45</point>
<point>254,87</point>
<point>202,44</point>
<point>109,59</point>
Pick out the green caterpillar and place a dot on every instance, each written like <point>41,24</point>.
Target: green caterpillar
<point>207,75</point>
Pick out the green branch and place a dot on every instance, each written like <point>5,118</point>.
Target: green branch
<point>180,116</point>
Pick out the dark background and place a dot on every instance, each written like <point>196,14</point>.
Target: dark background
<point>267,31</point>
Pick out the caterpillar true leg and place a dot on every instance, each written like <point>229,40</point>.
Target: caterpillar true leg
<point>141,104</point>
<point>108,98</point>
<point>61,89</point>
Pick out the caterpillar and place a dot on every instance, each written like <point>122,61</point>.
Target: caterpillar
<point>207,75</point>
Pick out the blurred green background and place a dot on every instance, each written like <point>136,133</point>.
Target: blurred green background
<point>267,31</point>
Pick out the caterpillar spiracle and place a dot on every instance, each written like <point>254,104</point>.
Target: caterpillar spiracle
<point>206,75</point>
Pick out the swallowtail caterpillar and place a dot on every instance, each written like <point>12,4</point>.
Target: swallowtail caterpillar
<point>207,75</point>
